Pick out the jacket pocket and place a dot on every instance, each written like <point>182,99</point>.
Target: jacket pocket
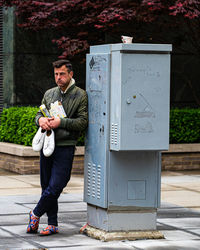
<point>61,134</point>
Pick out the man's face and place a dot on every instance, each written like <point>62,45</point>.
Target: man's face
<point>62,77</point>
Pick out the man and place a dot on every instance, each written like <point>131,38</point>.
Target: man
<point>55,170</point>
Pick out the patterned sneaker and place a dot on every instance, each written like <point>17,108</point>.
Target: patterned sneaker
<point>49,230</point>
<point>33,224</point>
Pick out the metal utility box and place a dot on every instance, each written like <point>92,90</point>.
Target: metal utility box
<point>128,93</point>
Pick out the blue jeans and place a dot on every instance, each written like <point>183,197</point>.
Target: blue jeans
<point>55,172</point>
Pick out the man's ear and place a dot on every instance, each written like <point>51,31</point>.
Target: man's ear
<point>71,74</point>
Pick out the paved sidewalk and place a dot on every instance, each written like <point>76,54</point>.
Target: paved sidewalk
<point>178,217</point>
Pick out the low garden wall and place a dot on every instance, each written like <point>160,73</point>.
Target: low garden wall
<point>23,160</point>
<point>181,157</point>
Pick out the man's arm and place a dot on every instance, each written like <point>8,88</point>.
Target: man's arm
<point>41,121</point>
<point>39,114</point>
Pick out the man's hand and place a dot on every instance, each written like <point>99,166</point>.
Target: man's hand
<point>44,123</point>
<point>54,122</point>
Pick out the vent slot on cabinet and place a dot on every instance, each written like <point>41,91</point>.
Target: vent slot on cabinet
<point>98,182</point>
<point>114,133</point>
<point>89,179</point>
<point>94,179</point>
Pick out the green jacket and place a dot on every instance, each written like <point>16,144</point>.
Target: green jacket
<point>75,104</point>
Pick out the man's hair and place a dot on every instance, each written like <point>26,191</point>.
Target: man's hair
<point>60,63</point>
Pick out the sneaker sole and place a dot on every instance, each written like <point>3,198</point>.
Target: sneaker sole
<point>47,234</point>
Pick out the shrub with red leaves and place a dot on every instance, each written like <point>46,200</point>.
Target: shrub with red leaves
<point>86,21</point>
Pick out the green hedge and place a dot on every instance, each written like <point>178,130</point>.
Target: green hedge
<point>18,126</point>
<point>185,125</point>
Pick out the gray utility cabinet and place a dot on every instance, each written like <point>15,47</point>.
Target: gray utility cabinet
<point>128,92</point>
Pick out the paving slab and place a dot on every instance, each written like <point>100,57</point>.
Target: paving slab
<point>30,184</point>
<point>169,187</point>
<point>180,235</point>
<point>10,182</point>
<point>77,241</point>
<point>102,247</point>
<point>179,196</point>
<point>181,223</point>
<point>16,244</point>
<point>4,234</point>
<point>184,178</point>
<point>7,209</point>
<point>33,180</point>
<point>165,245</point>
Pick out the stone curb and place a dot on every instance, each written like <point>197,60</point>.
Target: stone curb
<point>182,148</point>
<point>21,150</point>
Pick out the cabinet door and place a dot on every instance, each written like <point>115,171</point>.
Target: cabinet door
<point>96,148</point>
<point>141,100</point>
